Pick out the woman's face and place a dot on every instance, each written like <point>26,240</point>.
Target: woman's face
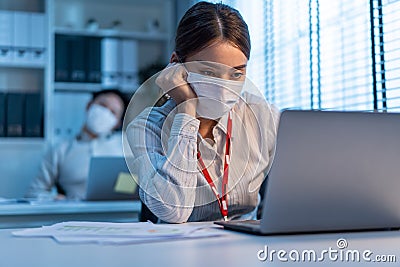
<point>112,102</point>
<point>221,60</point>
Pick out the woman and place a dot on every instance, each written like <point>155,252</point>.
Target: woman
<point>204,153</point>
<point>66,165</point>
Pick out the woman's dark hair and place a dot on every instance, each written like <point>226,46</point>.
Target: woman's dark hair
<point>205,23</point>
<point>118,93</point>
<point>122,96</point>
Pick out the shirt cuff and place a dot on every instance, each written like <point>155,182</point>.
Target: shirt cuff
<point>185,124</point>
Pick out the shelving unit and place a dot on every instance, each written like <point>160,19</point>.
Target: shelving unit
<point>77,87</point>
<point>20,157</point>
<point>70,18</point>
<point>141,36</point>
<point>30,65</point>
<point>156,41</point>
<point>12,142</point>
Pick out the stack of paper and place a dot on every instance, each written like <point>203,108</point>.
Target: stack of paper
<point>117,233</point>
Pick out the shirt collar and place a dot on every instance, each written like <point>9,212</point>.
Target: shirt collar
<point>85,137</point>
<point>223,122</point>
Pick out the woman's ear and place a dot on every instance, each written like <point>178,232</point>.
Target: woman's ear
<point>174,58</point>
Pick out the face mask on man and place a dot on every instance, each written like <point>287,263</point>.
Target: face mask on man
<point>100,120</point>
<point>216,96</point>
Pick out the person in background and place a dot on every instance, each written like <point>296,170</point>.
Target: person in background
<point>65,166</point>
<point>204,153</point>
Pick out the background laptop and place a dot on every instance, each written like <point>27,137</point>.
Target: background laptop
<point>109,179</point>
<point>332,171</point>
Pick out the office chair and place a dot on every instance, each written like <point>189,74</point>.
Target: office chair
<point>262,194</point>
<point>146,215</point>
<point>59,188</point>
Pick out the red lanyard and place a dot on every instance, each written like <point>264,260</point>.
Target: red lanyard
<point>222,200</point>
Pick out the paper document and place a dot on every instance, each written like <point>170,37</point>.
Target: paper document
<point>117,233</point>
<point>125,183</point>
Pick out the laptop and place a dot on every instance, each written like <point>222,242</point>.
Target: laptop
<point>332,172</point>
<point>110,179</point>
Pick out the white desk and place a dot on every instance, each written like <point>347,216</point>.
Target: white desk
<point>38,214</point>
<point>233,249</point>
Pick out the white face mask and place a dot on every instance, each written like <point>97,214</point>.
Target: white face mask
<point>100,120</point>
<point>216,96</point>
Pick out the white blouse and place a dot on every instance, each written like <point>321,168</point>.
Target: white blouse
<point>67,163</point>
<point>164,144</point>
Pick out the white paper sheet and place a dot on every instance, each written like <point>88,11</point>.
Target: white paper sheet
<point>117,233</point>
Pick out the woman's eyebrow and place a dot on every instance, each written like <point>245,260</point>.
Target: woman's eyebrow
<point>240,67</point>
<point>217,65</point>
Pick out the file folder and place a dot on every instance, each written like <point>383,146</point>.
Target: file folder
<point>69,113</point>
<point>110,62</point>
<point>93,55</point>
<point>33,115</point>
<point>77,57</point>
<point>61,64</point>
<point>15,118</point>
<point>38,30</point>
<point>6,36</point>
<point>129,65</point>
<point>22,37</point>
<point>2,114</point>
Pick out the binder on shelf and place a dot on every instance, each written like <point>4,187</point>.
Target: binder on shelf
<point>129,65</point>
<point>6,36</point>
<point>38,31</point>
<point>61,64</point>
<point>15,114</point>
<point>76,52</point>
<point>2,114</point>
<point>33,115</point>
<point>22,37</point>
<point>110,62</point>
<point>93,55</point>
<point>69,113</point>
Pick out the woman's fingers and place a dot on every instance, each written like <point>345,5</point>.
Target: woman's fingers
<point>172,80</point>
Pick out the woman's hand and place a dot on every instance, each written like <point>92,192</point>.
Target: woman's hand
<point>172,80</point>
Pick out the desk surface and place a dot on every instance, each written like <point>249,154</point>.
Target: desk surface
<point>232,249</point>
<point>45,213</point>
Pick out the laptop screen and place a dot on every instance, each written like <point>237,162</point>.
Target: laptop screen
<point>109,179</point>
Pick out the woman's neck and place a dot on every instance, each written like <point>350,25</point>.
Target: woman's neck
<point>206,127</point>
<point>86,131</point>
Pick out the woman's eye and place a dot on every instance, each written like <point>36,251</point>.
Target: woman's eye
<point>237,75</point>
<point>208,73</point>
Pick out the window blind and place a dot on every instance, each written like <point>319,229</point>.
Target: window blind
<point>346,76</point>
<point>321,55</point>
<point>386,50</point>
<point>287,53</point>
<point>253,13</point>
